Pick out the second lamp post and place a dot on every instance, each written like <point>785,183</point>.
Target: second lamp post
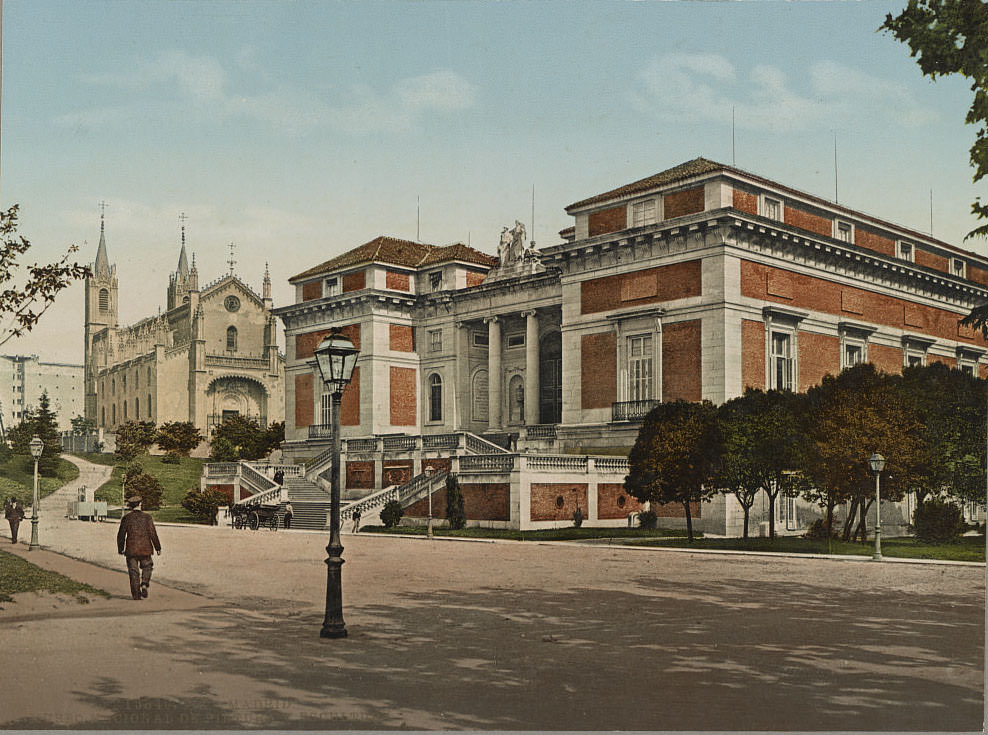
<point>336,357</point>
<point>37,447</point>
<point>877,463</point>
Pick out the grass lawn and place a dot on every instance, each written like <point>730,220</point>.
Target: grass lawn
<point>176,480</point>
<point>17,478</point>
<point>17,575</point>
<point>569,533</point>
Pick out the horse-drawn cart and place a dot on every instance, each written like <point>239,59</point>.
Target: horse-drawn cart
<point>246,515</point>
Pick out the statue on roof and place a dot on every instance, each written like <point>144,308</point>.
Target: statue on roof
<point>512,246</point>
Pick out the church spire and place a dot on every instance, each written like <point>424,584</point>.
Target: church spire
<point>266,289</point>
<point>102,261</point>
<point>183,262</point>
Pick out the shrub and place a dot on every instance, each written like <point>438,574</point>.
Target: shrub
<point>178,437</point>
<point>455,514</point>
<point>818,530</point>
<point>937,521</point>
<point>204,504</point>
<point>391,514</point>
<point>647,519</point>
<point>577,517</point>
<point>223,450</point>
<point>171,458</point>
<point>148,488</point>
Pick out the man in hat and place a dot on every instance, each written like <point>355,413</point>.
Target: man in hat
<point>14,513</point>
<point>137,539</point>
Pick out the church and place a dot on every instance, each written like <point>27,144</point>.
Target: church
<point>211,354</point>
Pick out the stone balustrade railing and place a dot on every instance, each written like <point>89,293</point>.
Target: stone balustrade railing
<point>487,462</point>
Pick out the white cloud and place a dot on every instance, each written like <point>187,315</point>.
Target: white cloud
<point>706,87</point>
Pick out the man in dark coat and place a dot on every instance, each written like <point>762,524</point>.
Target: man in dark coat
<point>137,539</point>
<point>14,512</point>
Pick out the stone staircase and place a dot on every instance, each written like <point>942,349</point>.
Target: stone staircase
<point>310,504</point>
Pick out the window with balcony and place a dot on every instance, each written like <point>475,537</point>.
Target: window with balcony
<point>640,368</point>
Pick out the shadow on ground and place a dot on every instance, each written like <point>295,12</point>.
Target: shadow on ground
<point>725,656</point>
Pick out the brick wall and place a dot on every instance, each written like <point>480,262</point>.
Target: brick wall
<point>396,472</point>
<point>803,219</point>
<point>866,238</point>
<point>676,510</point>
<point>931,260</point>
<point>681,371</point>
<point>350,401</point>
<point>397,281</point>
<point>485,501</point>
<point>360,475</point>
<point>887,359</point>
<point>311,290</point>
<point>556,501</point>
<point>664,283</point>
<point>978,275</point>
<point>305,344</point>
<point>354,281</point>
<point>436,463</point>
<point>746,201</point>
<point>753,354</point>
<point>401,338</point>
<point>614,502</point>
<point>474,278</point>
<point>227,490</point>
<point>303,400</point>
<point>598,370</point>
<point>950,362</point>
<point>683,202</point>
<point>403,391</point>
<point>816,294</point>
<point>607,220</point>
<point>818,355</point>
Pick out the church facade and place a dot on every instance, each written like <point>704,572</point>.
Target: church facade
<point>212,353</point>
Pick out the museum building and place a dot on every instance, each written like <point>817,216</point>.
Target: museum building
<point>692,284</point>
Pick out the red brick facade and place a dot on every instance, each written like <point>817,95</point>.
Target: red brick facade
<point>397,281</point>
<point>401,338</point>
<point>607,220</point>
<point>681,370</point>
<point>354,281</point>
<point>950,362</point>
<point>803,219</point>
<point>312,290</point>
<point>437,464</point>
<point>396,472</point>
<point>978,275</point>
<point>486,501</point>
<point>753,354</point>
<point>746,201</point>
<point>866,238</point>
<point>350,401</point>
<point>598,370</point>
<point>819,354</point>
<point>664,283</point>
<point>402,392</point>
<point>682,203</point>
<point>474,278</point>
<point>932,260</point>
<point>227,490</point>
<point>305,344</point>
<point>557,501</point>
<point>886,359</point>
<point>676,510</point>
<point>360,475</point>
<point>614,502</point>
<point>303,400</point>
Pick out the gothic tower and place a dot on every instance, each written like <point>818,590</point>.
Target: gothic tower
<point>101,313</point>
<point>178,282</point>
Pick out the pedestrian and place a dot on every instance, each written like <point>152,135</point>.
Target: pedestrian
<point>279,477</point>
<point>289,514</point>
<point>137,539</point>
<point>356,520</point>
<point>14,513</point>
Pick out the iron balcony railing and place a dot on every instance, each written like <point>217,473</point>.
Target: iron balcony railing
<point>320,431</point>
<point>632,410</point>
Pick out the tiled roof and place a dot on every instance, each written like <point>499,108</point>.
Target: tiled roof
<point>393,250</point>
<point>684,170</point>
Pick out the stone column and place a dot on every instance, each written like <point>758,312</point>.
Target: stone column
<point>493,372</point>
<point>531,368</point>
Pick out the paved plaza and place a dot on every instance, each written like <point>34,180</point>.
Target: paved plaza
<point>482,636</point>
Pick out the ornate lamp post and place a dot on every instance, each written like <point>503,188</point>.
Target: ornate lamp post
<point>877,463</point>
<point>37,447</point>
<point>336,357</point>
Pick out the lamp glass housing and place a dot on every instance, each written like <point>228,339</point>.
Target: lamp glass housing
<point>877,463</point>
<point>37,447</point>
<point>336,357</point>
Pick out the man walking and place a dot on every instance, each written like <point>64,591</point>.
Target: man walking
<point>14,513</point>
<point>137,539</point>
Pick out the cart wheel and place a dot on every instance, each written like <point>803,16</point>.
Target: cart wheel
<point>253,520</point>
<point>273,523</point>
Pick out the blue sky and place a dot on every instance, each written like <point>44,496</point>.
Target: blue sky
<point>299,130</point>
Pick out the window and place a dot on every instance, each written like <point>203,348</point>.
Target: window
<point>231,339</point>
<point>853,354</point>
<point>137,408</point>
<point>957,267</point>
<point>967,369</point>
<point>435,340</point>
<point>149,376</point>
<point>844,231</point>
<point>480,396</point>
<point>480,339</point>
<point>114,412</point>
<point>914,359</point>
<point>113,386</point>
<point>643,213</point>
<point>332,287</point>
<point>326,409</point>
<point>435,397</point>
<point>906,251</point>
<point>640,372</point>
<point>772,208</point>
<point>125,409</point>
<point>104,300</point>
<point>102,416</point>
<point>137,378</point>
<point>782,363</point>
<point>124,379</point>
<point>516,400</point>
<point>516,340</point>
<point>149,405</point>
<point>436,281</point>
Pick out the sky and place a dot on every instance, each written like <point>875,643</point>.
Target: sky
<point>299,130</point>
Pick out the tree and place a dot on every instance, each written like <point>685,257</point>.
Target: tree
<point>221,450</point>
<point>675,457</point>
<point>81,426</point>
<point>203,504</point>
<point>179,437</point>
<point>147,488</point>
<point>22,304</point>
<point>41,422</point>
<point>455,513</point>
<point>135,437</point>
<point>248,440</point>
<point>950,37</point>
<point>848,418</point>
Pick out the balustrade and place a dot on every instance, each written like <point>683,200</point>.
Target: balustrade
<point>440,441</point>
<point>487,463</point>
<point>320,431</point>
<point>221,469</point>
<point>361,445</point>
<point>541,431</point>
<point>399,443</point>
<point>632,410</point>
<point>613,464</point>
<point>558,462</point>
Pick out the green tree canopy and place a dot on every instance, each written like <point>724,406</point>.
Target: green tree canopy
<point>180,437</point>
<point>135,437</point>
<point>247,439</point>
<point>42,422</point>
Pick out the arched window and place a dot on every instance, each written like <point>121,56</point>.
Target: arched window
<point>124,379</point>
<point>137,408</point>
<point>149,376</point>
<point>149,405</point>
<point>435,397</point>
<point>102,416</point>
<point>231,338</point>
<point>137,378</point>
<point>104,300</point>
<point>113,386</point>
<point>125,409</point>
<point>479,396</point>
<point>114,413</point>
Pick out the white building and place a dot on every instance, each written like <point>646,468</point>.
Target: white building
<point>23,378</point>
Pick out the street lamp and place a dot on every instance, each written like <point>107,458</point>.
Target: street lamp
<point>335,357</point>
<point>37,447</point>
<point>877,463</point>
